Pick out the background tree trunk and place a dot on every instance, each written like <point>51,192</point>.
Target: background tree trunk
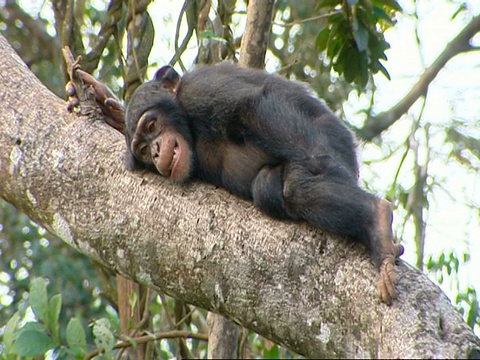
<point>223,334</point>
<point>222,337</point>
<point>313,292</point>
<point>257,32</point>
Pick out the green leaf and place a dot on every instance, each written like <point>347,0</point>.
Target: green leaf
<point>322,40</point>
<point>456,264</point>
<point>76,333</point>
<point>473,314</point>
<point>463,7</point>
<point>76,338</point>
<point>360,34</point>
<point>362,76</point>
<point>38,298</point>
<point>208,34</point>
<point>62,353</point>
<point>104,338</point>
<point>390,3</point>
<point>381,14</point>
<point>339,64</point>
<point>272,352</point>
<point>336,38</point>
<point>382,69</point>
<point>54,307</point>
<point>32,343</point>
<point>441,259</point>
<point>10,332</point>
<point>351,59</point>
<point>337,18</point>
<point>328,3</point>
<point>33,326</point>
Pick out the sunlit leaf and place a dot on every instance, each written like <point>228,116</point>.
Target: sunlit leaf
<point>54,307</point>
<point>390,3</point>
<point>381,14</point>
<point>76,338</point>
<point>322,40</point>
<point>9,332</point>
<point>328,3</point>
<point>38,298</point>
<point>360,34</point>
<point>104,338</point>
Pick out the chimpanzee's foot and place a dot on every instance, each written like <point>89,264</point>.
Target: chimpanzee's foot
<point>385,253</point>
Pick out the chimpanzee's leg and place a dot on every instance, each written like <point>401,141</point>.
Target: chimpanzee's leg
<point>386,250</point>
<point>267,192</point>
<point>333,201</point>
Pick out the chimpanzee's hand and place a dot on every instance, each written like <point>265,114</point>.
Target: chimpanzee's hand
<point>108,103</point>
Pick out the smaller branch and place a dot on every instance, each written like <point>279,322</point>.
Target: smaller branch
<point>180,50</point>
<point>375,125</point>
<point>140,33</point>
<point>303,21</point>
<point>108,28</point>
<point>189,314</point>
<point>170,321</point>
<point>86,96</point>
<point>47,45</point>
<point>67,25</point>
<point>69,60</point>
<point>152,337</point>
<point>257,31</point>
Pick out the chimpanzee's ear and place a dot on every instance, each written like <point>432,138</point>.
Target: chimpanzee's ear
<point>168,77</point>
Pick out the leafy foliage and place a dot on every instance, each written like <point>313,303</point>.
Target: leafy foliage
<point>24,336</point>
<point>353,37</point>
<point>466,300</point>
<point>28,251</point>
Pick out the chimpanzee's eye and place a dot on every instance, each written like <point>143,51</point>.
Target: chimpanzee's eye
<point>150,126</point>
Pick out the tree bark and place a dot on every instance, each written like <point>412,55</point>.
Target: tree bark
<point>222,337</point>
<point>298,286</point>
<point>257,31</point>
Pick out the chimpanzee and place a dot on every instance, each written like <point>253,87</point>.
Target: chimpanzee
<point>263,138</point>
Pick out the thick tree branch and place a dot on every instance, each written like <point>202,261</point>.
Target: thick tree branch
<point>461,43</point>
<point>298,286</point>
<point>109,27</point>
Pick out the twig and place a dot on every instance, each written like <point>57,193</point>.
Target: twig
<point>153,337</point>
